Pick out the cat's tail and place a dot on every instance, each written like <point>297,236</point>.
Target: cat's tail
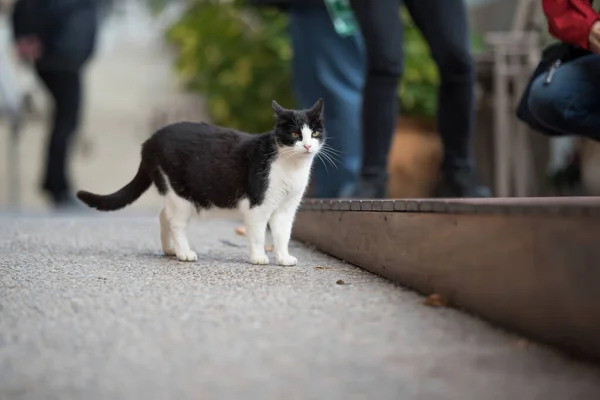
<point>121,198</point>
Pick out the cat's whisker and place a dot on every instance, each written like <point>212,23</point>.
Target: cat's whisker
<point>327,147</point>
<point>288,156</point>
<point>324,164</point>
<point>333,156</point>
<point>330,150</point>
<point>334,151</point>
<point>326,158</point>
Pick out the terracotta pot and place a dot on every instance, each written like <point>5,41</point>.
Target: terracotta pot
<point>414,159</point>
<point>590,166</point>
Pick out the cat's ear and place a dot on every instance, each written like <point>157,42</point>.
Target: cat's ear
<point>278,109</point>
<point>315,113</point>
<point>317,108</point>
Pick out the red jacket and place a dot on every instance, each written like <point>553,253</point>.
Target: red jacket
<point>570,21</point>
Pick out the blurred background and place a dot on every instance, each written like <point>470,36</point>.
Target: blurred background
<point>161,61</point>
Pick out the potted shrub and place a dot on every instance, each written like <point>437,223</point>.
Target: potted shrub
<point>238,58</point>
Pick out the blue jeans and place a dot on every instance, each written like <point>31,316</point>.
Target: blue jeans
<point>570,103</point>
<point>332,67</point>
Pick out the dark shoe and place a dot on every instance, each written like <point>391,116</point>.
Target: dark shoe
<point>567,180</point>
<point>370,188</point>
<point>461,185</point>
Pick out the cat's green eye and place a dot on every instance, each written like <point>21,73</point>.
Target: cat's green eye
<point>295,134</point>
<point>315,134</point>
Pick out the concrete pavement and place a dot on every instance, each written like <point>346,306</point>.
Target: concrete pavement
<point>90,309</point>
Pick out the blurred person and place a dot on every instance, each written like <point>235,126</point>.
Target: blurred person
<point>330,66</point>
<point>58,37</point>
<point>563,96</point>
<point>444,25</point>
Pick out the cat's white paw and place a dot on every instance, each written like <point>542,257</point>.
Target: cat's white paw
<point>187,256</point>
<point>169,252</point>
<point>259,259</point>
<point>287,260</point>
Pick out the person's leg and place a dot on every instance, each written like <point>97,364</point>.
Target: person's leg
<point>446,29</point>
<point>381,28</point>
<point>65,89</point>
<point>570,104</point>
<point>332,67</point>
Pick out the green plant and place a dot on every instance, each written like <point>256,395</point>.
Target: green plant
<point>238,58</point>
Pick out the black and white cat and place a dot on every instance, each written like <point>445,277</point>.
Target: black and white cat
<point>198,166</point>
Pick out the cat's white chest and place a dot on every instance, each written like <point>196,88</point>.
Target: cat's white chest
<point>287,179</point>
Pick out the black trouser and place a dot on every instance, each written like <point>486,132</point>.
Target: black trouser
<point>65,88</point>
<point>444,25</point>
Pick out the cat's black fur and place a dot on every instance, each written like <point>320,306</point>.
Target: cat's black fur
<point>210,165</point>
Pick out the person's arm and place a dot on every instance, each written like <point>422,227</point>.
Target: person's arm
<point>570,20</point>
<point>27,17</point>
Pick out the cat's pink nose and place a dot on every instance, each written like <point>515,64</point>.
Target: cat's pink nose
<point>307,147</point>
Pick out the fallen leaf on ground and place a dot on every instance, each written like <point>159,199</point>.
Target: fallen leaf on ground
<point>322,268</point>
<point>269,247</point>
<point>241,230</point>
<point>435,300</point>
<point>340,282</point>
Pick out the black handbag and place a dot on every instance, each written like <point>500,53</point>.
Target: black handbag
<point>553,57</point>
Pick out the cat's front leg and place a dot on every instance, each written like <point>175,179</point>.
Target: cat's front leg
<point>281,228</point>
<point>256,220</point>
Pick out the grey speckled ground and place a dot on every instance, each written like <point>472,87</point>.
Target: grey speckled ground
<point>90,309</point>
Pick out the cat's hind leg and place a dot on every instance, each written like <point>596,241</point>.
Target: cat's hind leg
<point>165,234</point>
<point>178,212</point>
